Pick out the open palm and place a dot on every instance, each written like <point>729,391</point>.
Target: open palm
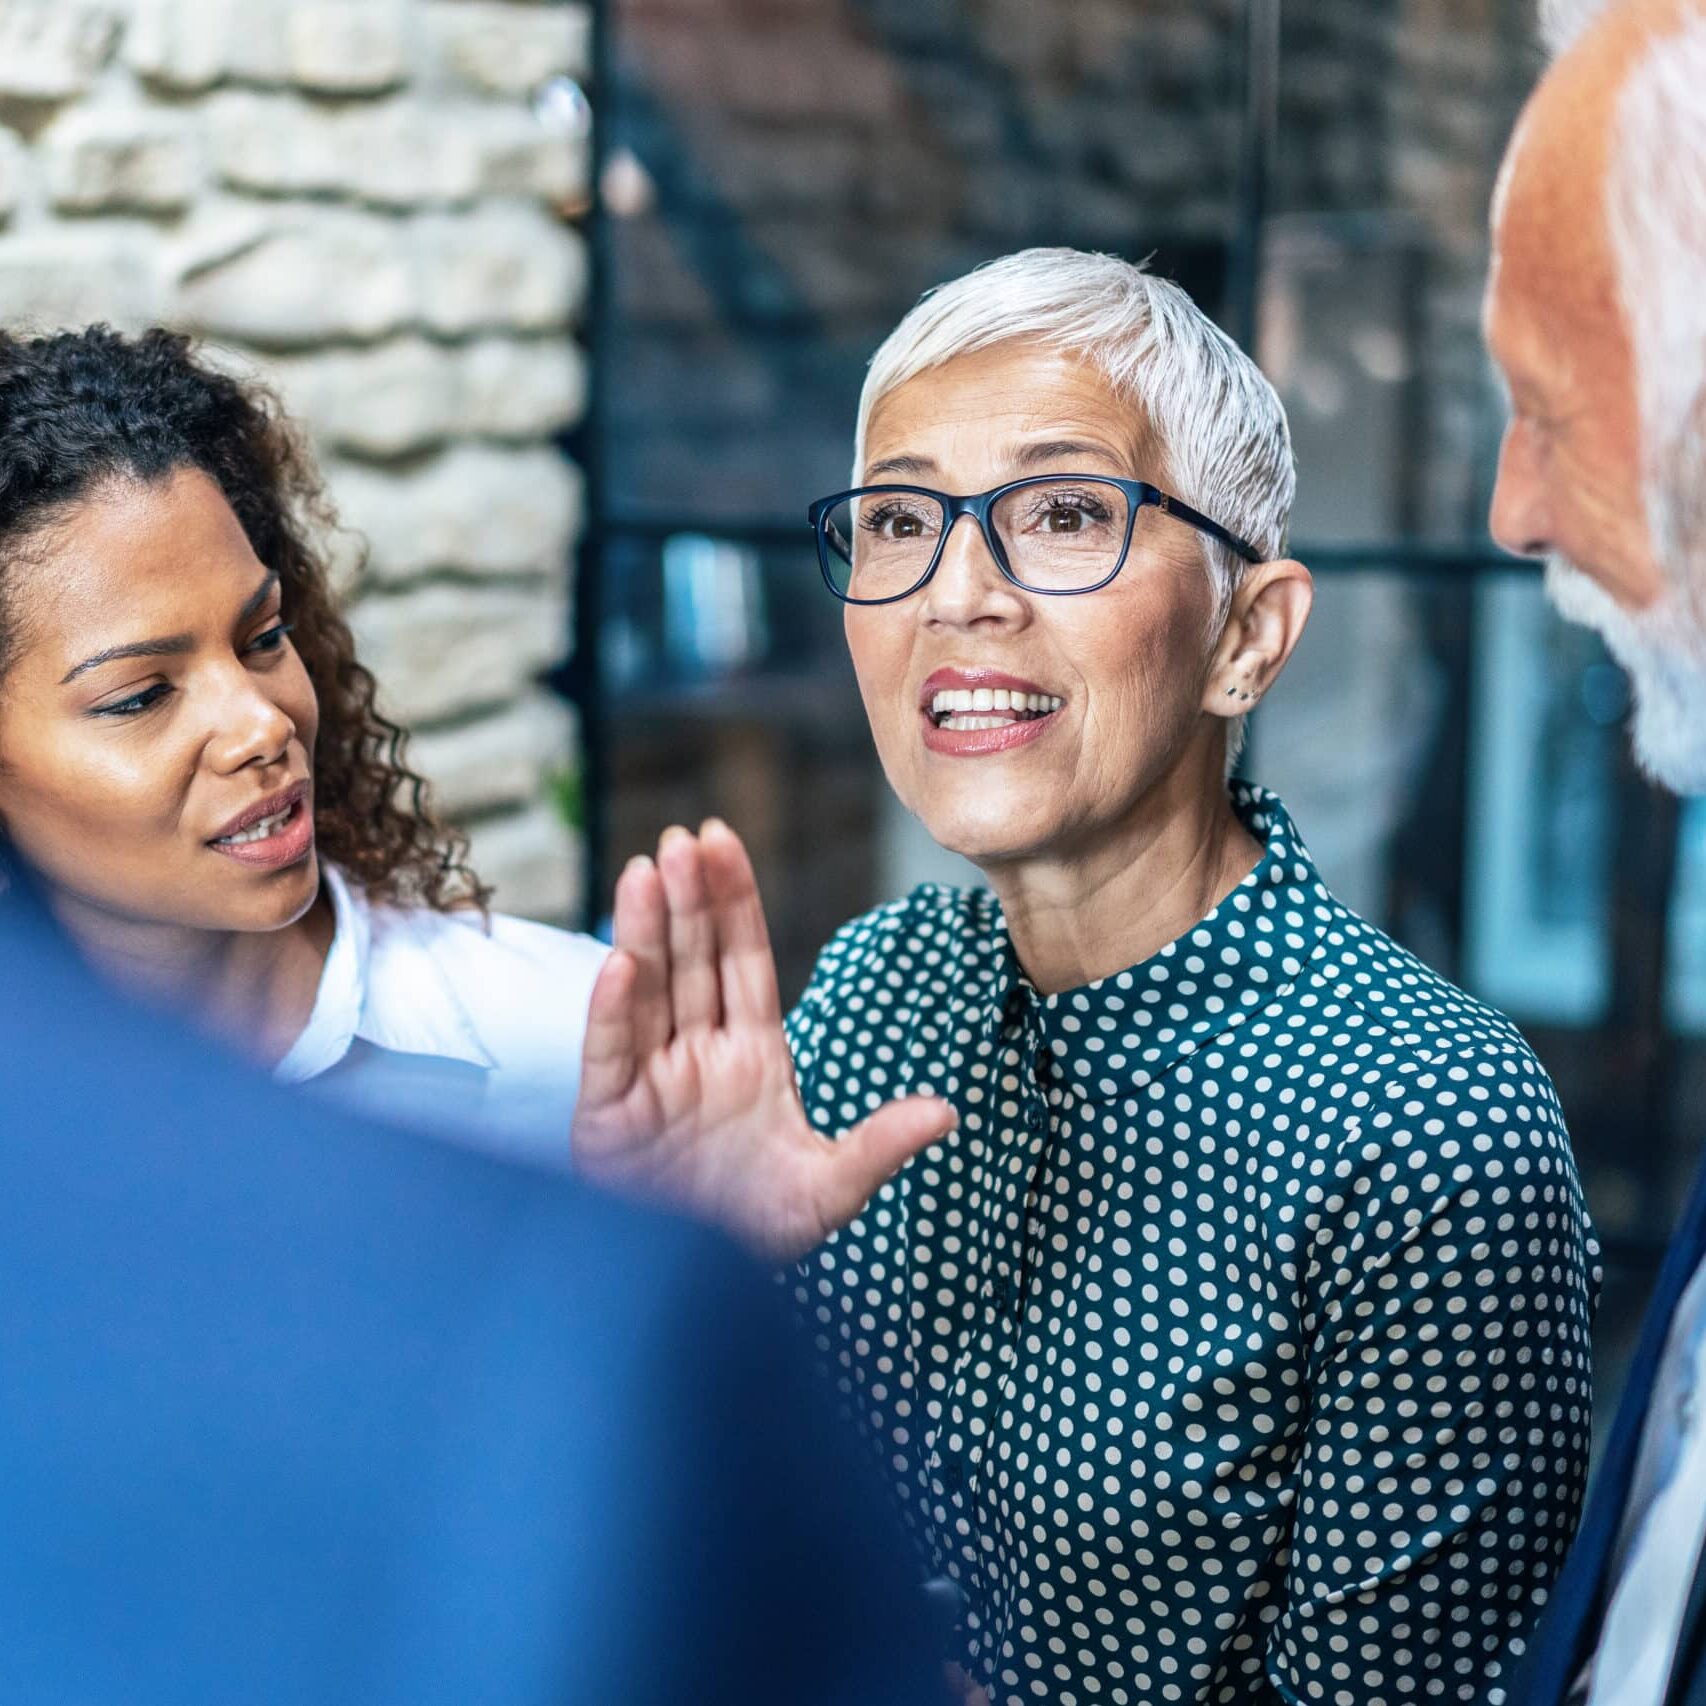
<point>687,1092</point>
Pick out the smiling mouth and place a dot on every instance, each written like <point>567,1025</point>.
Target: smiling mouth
<point>966,710</point>
<point>262,831</point>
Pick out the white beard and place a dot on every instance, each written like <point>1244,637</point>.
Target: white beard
<point>1663,649</point>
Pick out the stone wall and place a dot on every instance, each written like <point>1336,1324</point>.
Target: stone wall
<point>359,197</point>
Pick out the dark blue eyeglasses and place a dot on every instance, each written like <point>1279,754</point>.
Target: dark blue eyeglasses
<point>1054,534</point>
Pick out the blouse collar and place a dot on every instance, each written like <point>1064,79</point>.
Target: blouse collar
<point>383,987</point>
<point>1247,953</point>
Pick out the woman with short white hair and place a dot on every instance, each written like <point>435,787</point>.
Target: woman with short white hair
<point>1233,1343</point>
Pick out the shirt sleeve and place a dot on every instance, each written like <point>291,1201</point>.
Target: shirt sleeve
<point>1448,1274</point>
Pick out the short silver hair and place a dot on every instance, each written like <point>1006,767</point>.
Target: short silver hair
<point>1561,21</point>
<point>1218,421</point>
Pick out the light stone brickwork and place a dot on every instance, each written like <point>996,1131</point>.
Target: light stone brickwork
<point>356,198</point>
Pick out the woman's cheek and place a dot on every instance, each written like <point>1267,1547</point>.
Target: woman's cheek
<point>879,666</point>
<point>900,751</point>
<point>295,696</point>
<point>1137,709</point>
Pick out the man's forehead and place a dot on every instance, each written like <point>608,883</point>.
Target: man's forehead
<point>1517,307</point>
<point>1507,170</point>
<point>1561,149</point>
<point>1495,298</point>
<point>1552,280</point>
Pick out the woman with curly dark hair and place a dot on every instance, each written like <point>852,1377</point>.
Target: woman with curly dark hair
<point>194,771</point>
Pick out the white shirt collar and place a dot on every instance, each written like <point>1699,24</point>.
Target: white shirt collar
<point>383,987</point>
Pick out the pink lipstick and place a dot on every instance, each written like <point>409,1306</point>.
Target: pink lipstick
<point>272,834</point>
<point>971,713</point>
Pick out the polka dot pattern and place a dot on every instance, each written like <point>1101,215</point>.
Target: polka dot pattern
<point>1236,1346</point>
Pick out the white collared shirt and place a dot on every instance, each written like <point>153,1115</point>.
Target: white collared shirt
<point>435,1021</point>
<point>1664,1527</point>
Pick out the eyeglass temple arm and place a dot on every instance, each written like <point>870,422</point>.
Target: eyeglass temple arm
<point>1195,518</point>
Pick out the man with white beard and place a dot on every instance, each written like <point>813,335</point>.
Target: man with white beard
<point>1596,314</point>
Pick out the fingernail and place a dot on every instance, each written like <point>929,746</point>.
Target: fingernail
<point>711,823</point>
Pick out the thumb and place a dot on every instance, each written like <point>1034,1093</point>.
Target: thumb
<point>873,1152</point>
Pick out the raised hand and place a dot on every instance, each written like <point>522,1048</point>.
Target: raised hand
<point>962,1691</point>
<point>687,1086</point>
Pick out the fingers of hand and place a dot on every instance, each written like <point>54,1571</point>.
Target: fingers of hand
<point>694,983</point>
<point>870,1154</point>
<point>642,931</point>
<point>962,1691</point>
<point>608,1057</point>
<point>748,967</point>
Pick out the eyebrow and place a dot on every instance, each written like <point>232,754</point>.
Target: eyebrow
<point>1053,449</point>
<point>169,645</point>
<point>901,465</point>
<point>1026,456</point>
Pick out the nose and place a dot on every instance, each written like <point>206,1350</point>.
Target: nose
<point>247,728</point>
<point>968,587</point>
<point>1520,521</point>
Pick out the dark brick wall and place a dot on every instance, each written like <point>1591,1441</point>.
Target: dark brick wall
<point>818,163</point>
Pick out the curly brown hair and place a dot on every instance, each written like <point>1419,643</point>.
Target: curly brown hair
<point>78,409</point>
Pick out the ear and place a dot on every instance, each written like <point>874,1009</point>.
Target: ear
<point>1267,618</point>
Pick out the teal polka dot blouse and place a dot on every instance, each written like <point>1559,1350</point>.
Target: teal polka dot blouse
<point>1235,1348</point>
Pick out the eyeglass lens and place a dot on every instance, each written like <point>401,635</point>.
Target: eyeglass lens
<point>1058,536</point>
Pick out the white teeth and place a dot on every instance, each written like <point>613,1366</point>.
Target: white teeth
<point>955,702</point>
<point>966,723</point>
<point>258,831</point>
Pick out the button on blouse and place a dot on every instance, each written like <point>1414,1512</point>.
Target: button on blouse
<point>1235,1347</point>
